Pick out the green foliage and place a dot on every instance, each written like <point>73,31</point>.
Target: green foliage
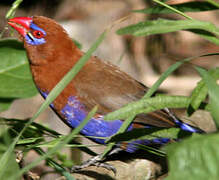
<point>184,7</point>
<point>193,158</point>
<point>213,91</point>
<point>206,30</point>
<point>148,105</point>
<point>199,93</point>
<point>150,134</point>
<point>16,80</point>
<point>13,9</point>
<point>14,68</point>
<point>5,141</point>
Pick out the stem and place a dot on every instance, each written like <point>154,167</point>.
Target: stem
<point>12,10</point>
<point>173,9</point>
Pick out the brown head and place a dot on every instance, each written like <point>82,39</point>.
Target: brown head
<point>50,50</point>
<point>44,39</point>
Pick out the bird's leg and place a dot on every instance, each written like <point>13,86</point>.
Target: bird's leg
<point>94,161</point>
<point>97,161</point>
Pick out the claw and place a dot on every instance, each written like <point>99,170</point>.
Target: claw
<point>95,161</point>
<point>106,166</point>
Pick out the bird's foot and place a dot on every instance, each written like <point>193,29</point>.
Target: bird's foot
<point>95,161</point>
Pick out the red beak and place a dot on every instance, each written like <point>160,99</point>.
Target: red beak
<point>21,24</point>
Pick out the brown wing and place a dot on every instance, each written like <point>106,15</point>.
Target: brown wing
<point>110,89</point>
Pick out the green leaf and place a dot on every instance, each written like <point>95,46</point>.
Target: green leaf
<point>7,159</point>
<point>205,29</point>
<point>213,90</point>
<point>32,130</point>
<point>149,134</point>
<point>5,141</point>
<point>148,105</point>
<point>29,140</point>
<point>13,9</point>
<point>122,129</point>
<point>206,35</point>
<point>165,75</point>
<point>172,8</point>
<point>57,166</point>
<point>14,168</point>
<point>199,94</point>
<point>51,143</point>
<point>194,158</point>
<point>184,7</point>
<point>15,77</point>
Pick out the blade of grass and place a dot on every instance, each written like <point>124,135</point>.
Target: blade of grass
<point>13,9</point>
<point>149,105</point>
<point>213,90</point>
<point>122,129</point>
<point>170,70</point>
<point>200,92</point>
<point>204,29</point>
<point>51,144</point>
<point>191,6</point>
<point>153,150</point>
<point>14,122</point>
<point>147,134</point>
<point>213,3</point>
<point>162,26</point>
<point>57,166</point>
<point>173,9</point>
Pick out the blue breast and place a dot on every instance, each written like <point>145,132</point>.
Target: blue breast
<point>97,128</point>
<point>74,113</point>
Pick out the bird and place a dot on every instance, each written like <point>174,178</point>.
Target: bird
<point>52,53</point>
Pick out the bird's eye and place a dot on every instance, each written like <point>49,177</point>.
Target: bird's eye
<point>38,34</point>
